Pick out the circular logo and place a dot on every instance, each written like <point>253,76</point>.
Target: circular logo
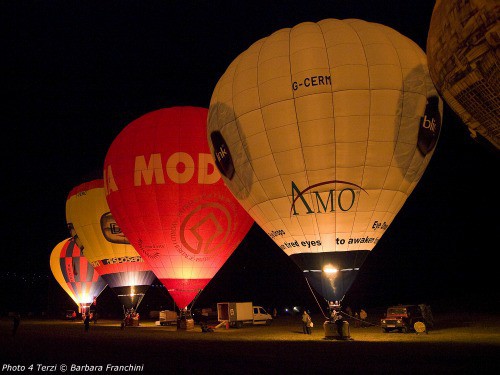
<point>204,230</point>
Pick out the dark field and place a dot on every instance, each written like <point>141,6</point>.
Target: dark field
<point>457,345</point>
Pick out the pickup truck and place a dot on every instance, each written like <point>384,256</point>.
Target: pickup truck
<point>236,314</point>
<point>402,318</point>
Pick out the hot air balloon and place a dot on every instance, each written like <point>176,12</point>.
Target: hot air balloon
<point>55,266</point>
<point>322,131</point>
<point>75,274</point>
<point>168,198</point>
<point>462,52</point>
<point>99,237</point>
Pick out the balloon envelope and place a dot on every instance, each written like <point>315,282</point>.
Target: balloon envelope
<point>462,50</point>
<point>55,266</point>
<point>78,275</point>
<point>322,131</point>
<point>104,245</point>
<point>167,196</point>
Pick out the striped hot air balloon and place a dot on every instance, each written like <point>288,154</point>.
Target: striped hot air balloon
<point>75,274</point>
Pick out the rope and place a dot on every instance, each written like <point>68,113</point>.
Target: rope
<point>312,292</point>
<point>363,322</point>
<point>194,300</point>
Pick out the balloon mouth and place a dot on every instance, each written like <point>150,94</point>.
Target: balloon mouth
<point>331,274</point>
<point>330,270</point>
<point>131,296</point>
<point>222,155</point>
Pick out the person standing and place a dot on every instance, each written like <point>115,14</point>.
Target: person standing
<point>86,322</point>
<point>306,321</point>
<point>338,320</point>
<point>16,320</point>
<point>309,325</point>
<point>356,319</point>
<point>348,312</point>
<point>363,315</point>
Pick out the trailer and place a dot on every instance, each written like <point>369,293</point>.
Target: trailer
<point>236,314</point>
<point>167,318</point>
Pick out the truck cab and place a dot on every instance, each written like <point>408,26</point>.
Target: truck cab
<point>236,314</point>
<point>260,316</point>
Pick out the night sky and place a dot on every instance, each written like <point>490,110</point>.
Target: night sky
<point>75,73</point>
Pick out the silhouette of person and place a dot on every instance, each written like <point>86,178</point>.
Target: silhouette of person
<point>16,320</point>
<point>363,315</point>
<point>306,323</point>
<point>86,322</point>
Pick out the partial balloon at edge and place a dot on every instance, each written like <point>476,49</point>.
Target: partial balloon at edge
<point>462,51</point>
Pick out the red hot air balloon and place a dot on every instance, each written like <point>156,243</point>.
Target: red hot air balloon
<point>166,194</point>
<point>78,275</point>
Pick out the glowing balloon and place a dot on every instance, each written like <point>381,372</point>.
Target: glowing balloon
<point>78,275</point>
<point>167,196</point>
<point>322,131</point>
<point>55,266</point>
<point>462,50</point>
<point>99,237</point>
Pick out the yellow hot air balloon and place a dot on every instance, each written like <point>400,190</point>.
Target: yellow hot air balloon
<point>55,266</point>
<point>464,63</point>
<point>322,131</point>
<point>78,275</point>
<point>105,246</point>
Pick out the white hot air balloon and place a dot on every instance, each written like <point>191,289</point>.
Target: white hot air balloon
<point>321,132</point>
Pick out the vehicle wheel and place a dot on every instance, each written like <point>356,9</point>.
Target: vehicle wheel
<point>269,322</point>
<point>239,324</point>
<point>404,329</point>
<point>385,330</point>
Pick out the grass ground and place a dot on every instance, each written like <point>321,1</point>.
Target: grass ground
<point>457,345</point>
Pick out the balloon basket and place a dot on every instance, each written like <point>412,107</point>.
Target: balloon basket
<point>330,329</point>
<point>185,324</point>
